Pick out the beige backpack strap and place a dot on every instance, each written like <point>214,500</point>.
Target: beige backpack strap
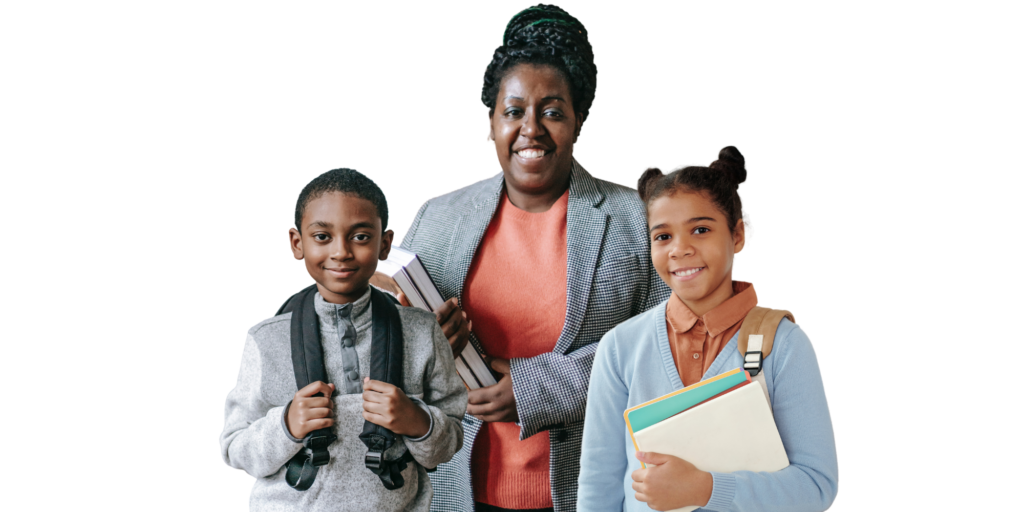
<point>756,338</point>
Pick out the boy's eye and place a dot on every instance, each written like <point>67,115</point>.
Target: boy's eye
<point>321,237</point>
<point>701,230</point>
<point>361,237</point>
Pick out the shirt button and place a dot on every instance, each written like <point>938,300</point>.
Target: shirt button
<point>353,375</point>
<point>696,355</point>
<point>346,342</point>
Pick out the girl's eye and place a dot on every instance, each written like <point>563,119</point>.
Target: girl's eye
<point>321,237</point>
<point>701,230</point>
<point>660,237</point>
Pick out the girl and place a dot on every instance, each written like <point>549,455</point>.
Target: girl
<point>695,224</point>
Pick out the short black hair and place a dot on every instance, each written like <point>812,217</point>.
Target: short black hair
<point>345,181</point>
<point>720,180</point>
<point>545,35</point>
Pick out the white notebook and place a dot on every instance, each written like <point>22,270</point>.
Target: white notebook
<point>734,432</point>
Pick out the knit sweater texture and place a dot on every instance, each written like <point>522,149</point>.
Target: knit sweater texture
<point>255,439</point>
<point>634,364</point>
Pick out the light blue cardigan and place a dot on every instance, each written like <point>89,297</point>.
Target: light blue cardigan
<point>634,364</point>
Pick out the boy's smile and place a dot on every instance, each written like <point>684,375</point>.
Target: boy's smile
<point>692,248</point>
<point>341,242</point>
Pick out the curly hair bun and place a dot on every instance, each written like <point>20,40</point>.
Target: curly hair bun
<point>645,185</point>
<point>731,162</point>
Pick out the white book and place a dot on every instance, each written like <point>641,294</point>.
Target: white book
<point>411,276</point>
<point>734,432</point>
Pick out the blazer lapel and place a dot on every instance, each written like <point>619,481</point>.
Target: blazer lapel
<point>470,229</point>
<point>585,230</point>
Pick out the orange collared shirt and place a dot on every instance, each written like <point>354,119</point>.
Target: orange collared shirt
<point>696,341</point>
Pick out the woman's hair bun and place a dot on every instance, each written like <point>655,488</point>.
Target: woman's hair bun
<point>645,185</point>
<point>731,162</point>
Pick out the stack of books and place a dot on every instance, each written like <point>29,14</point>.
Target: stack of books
<point>408,271</point>
<point>721,424</point>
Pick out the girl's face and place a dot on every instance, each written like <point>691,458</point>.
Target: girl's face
<point>692,248</point>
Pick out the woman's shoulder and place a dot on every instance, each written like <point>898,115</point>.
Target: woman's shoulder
<point>468,195</point>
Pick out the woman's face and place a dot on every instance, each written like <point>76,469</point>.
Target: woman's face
<point>534,127</point>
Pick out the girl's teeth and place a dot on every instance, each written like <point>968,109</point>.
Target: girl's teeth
<point>684,273</point>
<point>531,153</point>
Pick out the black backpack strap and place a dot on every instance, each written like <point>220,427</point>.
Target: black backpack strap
<point>308,363</point>
<point>386,359</point>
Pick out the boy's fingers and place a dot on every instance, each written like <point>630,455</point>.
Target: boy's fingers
<point>315,402</point>
<point>314,388</point>
<point>376,385</point>
<point>319,412</point>
<point>319,424</point>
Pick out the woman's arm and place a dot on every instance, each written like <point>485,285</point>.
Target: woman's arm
<point>811,481</point>
<point>603,463</point>
<point>551,388</point>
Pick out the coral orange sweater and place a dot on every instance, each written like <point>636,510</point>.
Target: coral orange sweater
<point>515,293</point>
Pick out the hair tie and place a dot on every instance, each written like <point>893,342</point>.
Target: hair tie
<point>559,22</point>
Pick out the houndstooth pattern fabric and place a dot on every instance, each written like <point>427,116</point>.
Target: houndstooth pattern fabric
<point>610,279</point>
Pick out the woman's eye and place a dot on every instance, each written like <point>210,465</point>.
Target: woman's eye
<point>553,113</point>
<point>701,230</point>
<point>510,112</point>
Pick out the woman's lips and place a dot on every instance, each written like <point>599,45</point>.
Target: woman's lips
<point>686,274</point>
<point>531,155</point>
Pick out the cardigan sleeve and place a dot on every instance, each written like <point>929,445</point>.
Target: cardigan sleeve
<point>253,438</point>
<point>603,463</point>
<point>811,480</point>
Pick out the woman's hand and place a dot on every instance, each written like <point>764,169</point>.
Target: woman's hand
<point>388,406</point>
<point>668,482</point>
<point>455,324</point>
<point>495,403</point>
<point>387,283</point>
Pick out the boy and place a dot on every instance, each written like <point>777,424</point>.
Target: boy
<point>340,223</point>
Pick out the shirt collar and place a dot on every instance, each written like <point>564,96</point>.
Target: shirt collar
<point>330,313</point>
<point>720,318</point>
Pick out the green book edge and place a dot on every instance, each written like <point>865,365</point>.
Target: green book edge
<point>662,410</point>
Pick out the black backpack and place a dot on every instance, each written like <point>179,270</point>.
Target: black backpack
<point>386,358</point>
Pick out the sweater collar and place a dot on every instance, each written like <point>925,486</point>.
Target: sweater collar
<point>331,313</point>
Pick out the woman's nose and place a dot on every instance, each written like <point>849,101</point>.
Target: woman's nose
<point>531,127</point>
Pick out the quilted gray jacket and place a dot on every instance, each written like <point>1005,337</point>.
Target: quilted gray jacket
<point>610,279</point>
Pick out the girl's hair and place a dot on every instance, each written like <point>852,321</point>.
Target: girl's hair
<point>546,35</point>
<point>720,180</point>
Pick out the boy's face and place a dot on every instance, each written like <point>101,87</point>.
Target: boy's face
<point>341,241</point>
<point>692,248</point>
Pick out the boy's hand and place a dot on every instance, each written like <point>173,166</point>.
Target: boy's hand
<point>387,406</point>
<point>495,403</point>
<point>672,483</point>
<point>307,412</point>
<point>455,324</point>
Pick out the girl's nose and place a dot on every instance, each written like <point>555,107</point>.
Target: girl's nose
<point>681,247</point>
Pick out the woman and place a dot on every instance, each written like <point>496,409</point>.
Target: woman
<point>544,259</point>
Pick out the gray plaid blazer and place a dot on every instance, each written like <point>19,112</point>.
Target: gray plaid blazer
<point>610,279</point>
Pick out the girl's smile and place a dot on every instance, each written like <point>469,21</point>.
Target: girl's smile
<point>686,274</point>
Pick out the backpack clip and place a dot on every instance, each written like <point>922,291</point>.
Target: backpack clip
<point>753,358</point>
<point>316,448</point>
<point>373,461</point>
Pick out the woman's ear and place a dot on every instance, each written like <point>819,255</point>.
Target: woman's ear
<point>579,127</point>
<point>739,236</point>
<point>295,240</point>
<point>490,123</point>
<point>386,240</point>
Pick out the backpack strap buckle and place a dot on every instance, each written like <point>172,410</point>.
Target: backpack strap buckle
<point>316,447</point>
<point>753,358</point>
<point>374,461</point>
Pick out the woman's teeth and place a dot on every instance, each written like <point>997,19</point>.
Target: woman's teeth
<point>684,273</point>
<point>530,153</point>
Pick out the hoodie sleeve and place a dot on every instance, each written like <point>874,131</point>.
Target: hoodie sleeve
<point>253,438</point>
<point>444,399</point>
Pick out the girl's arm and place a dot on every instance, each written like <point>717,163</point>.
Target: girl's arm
<point>603,463</point>
<point>801,413</point>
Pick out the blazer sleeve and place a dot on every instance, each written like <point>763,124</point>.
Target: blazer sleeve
<point>410,236</point>
<point>551,388</point>
<point>603,463</point>
<point>254,438</point>
<point>811,480</point>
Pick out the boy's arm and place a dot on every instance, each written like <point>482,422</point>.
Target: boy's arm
<point>811,481</point>
<point>603,463</point>
<point>444,399</point>
<point>254,438</point>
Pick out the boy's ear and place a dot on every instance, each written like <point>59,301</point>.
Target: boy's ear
<point>739,236</point>
<point>385,244</point>
<point>295,240</point>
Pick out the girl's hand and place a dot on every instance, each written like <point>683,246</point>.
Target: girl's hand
<point>389,407</point>
<point>307,412</point>
<point>495,403</point>
<point>671,482</point>
<point>455,324</point>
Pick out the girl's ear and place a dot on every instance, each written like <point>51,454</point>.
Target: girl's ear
<point>739,236</point>
<point>295,240</point>
<point>385,244</point>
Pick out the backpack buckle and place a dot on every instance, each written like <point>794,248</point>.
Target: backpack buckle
<point>752,362</point>
<point>374,460</point>
<point>316,448</point>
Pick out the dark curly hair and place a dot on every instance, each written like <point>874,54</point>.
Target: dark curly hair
<point>721,181</point>
<point>547,35</point>
<point>346,181</point>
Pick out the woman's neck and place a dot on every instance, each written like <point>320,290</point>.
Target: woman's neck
<point>536,202</point>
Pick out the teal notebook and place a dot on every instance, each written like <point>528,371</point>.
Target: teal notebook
<point>660,409</point>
